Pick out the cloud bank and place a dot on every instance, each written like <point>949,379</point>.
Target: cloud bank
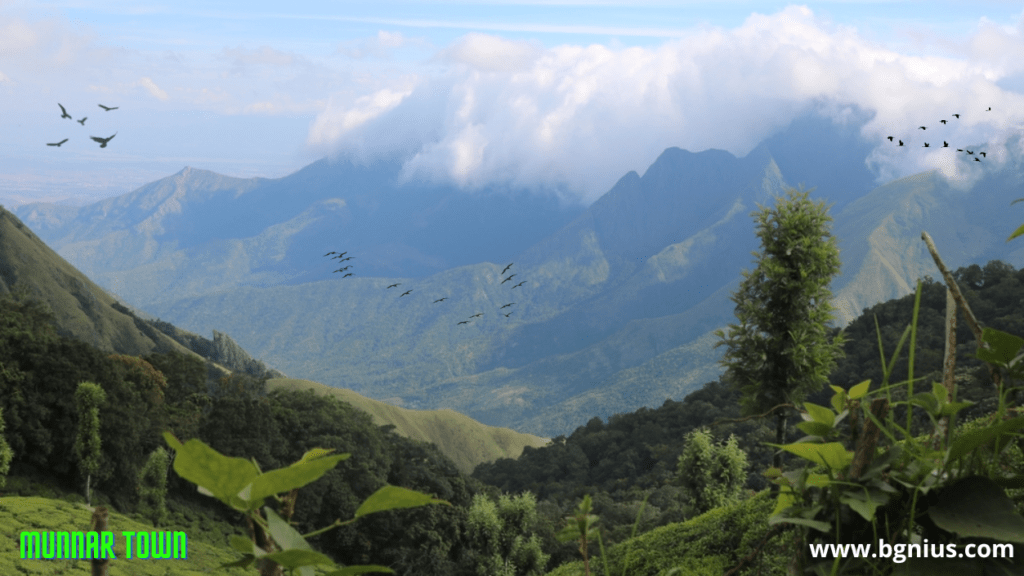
<point>576,118</point>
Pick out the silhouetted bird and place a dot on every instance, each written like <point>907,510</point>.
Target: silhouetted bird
<point>945,144</point>
<point>989,109</point>
<point>347,275</point>
<point>943,121</point>
<point>506,280</point>
<point>338,270</point>
<point>985,154</point>
<point>956,115</point>
<point>441,300</point>
<point>82,121</point>
<point>58,143</point>
<point>507,305</point>
<point>393,286</point>
<point>890,138</point>
<point>349,258</point>
<point>969,152</point>
<point>476,315</point>
<point>925,145</point>
<point>976,159</point>
<point>406,293</point>
<point>959,149</point>
<point>923,128</point>
<point>345,268</point>
<point>901,142</point>
<point>108,109</point>
<point>329,253</point>
<point>509,314</point>
<point>339,255</point>
<point>518,285</point>
<point>463,322</point>
<point>103,141</point>
<point>506,269</point>
<point>63,112</point>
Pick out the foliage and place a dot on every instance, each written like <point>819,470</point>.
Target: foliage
<point>942,488</point>
<point>6,454</point>
<point>273,542</point>
<point>712,475</point>
<point>153,486</point>
<point>502,536</point>
<point>779,351</point>
<point>706,545</point>
<point>88,398</point>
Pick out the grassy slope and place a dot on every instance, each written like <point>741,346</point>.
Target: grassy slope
<point>33,513</point>
<point>465,441</point>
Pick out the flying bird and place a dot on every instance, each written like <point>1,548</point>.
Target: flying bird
<point>349,258</point>
<point>441,300</point>
<point>943,121</point>
<point>518,285</point>
<point>103,141</point>
<point>463,322</point>
<point>890,138</point>
<point>976,159</point>
<point>989,109</point>
<point>329,253</point>
<point>57,143</point>
<point>507,305</point>
<point>925,145</point>
<point>506,279</point>
<point>108,109</point>
<point>407,292</point>
<point>985,154</point>
<point>506,269</point>
<point>509,314</point>
<point>901,142</point>
<point>343,269</point>
<point>956,115</point>
<point>959,149</point>
<point>476,315</point>
<point>82,121</point>
<point>393,286</point>
<point>347,275</point>
<point>63,112</point>
<point>945,144</point>
<point>923,128</point>
<point>969,152</point>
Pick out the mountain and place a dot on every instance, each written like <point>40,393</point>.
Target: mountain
<point>463,440</point>
<point>198,232</point>
<point>619,299</point>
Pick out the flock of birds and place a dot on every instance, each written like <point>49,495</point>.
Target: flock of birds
<point>64,114</point>
<point>944,143</point>
<point>340,257</point>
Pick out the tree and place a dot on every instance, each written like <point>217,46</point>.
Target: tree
<point>712,474</point>
<point>780,350</point>
<point>153,486</point>
<point>502,535</point>
<point>6,454</point>
<point>88,398</point>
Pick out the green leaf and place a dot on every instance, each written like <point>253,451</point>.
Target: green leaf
<point>940,393</point>
<point>832,454</point>
<point>294,559</point>
<point>221,476</point>
<point>394,497</point>
<point>246,546</point>
<point>816,524</point>
<point>815,428</point>
<point>244,562</point>
<point>355,570</point>
<point>864,502</point>
<point>1002,347</point>
<point>1016,233</point>
<point>971,440</point>
<point>954,407</point>
<point>820,414</point>
<point>285,479</point>
<point>859,390</point>
<point>927,401</point>
<point>975,507</point>
<point>286,537</point>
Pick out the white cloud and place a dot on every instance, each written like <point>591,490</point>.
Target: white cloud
<point>152,88</point>
<point>577,118</point>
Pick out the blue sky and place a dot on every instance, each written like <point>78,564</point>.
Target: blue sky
<point>563,96</point>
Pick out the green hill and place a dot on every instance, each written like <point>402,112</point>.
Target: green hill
<point>463,440</point>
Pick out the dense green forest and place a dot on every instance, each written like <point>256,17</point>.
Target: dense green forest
<point>623,463</point>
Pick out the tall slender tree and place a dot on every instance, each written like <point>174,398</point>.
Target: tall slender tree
<point>779,351</point>
<point>88,399</point>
